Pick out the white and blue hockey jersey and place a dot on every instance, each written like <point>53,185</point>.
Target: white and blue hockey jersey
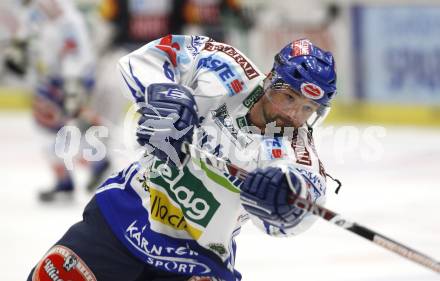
<point>185,221</point>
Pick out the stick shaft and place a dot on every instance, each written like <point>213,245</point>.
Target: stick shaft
<point>320,211</point>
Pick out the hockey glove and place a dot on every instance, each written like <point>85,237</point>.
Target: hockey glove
<point>16,57</point>
<point>266,194</point>
<point>167,120</point>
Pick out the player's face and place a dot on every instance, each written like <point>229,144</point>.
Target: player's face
<point>287,108</point>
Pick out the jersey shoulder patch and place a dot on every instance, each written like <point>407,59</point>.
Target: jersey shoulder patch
<point>62,263</point>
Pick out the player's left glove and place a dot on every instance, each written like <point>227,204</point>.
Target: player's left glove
<point>266,194</point>
<point>16,57</point>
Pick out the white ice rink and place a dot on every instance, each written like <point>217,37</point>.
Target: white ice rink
<point>390,184</point>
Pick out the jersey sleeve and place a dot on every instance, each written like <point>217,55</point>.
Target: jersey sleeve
<point>298,152</point>
<point>169,59</point>
<point>215,71</point>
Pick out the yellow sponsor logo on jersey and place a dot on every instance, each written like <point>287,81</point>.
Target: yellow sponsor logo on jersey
<point>162,210</point>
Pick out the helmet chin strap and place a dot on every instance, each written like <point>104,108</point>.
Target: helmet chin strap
<point>267,83</point>
<point>317,118</point>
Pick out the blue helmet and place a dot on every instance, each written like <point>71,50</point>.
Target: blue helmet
<point>307,69</point>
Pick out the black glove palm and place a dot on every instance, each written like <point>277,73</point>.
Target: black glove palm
<point>16,57</point>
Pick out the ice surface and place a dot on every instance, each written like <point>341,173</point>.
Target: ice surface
<point>395,192</point>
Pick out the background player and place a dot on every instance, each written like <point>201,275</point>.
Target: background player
<point>54,45</point>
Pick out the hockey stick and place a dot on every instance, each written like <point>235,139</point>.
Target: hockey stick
<point>324,213</point>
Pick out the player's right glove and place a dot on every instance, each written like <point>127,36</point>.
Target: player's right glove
<point>266,194</point>
<point>167,121</point>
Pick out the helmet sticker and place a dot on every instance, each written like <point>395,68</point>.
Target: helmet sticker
<point>301,47</point>
<point>312,91</point>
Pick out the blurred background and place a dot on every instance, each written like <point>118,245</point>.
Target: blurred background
<point>381,139</point>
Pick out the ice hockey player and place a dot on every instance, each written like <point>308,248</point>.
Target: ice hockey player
<point>54,45</point>
<point>165,219</point>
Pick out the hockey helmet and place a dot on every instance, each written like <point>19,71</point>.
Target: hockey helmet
<point>307,70</point>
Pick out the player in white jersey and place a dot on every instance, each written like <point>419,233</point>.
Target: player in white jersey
<point>171,217</point>
<point>53,43</point>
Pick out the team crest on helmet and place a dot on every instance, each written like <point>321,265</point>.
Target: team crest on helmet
<point>312,91</point>
<point>301,47</point>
